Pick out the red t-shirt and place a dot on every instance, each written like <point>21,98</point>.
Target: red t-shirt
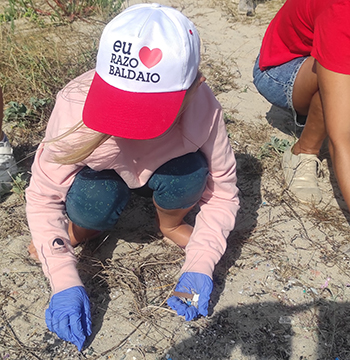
<point>320,28</point>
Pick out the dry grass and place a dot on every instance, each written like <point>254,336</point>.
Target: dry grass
<point>267,9</point>
<point>220,76</point>
<point>148,276</point>
<point>38,63</point>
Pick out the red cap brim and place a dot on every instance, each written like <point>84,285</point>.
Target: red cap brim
<point>129,115</point>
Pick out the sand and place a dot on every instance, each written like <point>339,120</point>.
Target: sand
<point>281,290</point>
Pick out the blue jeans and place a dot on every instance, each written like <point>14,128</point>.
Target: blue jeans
<point>276,83</point>
<point>96,199</point>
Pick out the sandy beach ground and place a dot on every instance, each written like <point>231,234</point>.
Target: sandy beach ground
<point>282,289</point>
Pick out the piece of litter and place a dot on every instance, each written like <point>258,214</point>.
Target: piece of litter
<point>285,320</point>
<point>314,291</point>
<point>185,295</point>
<point>325,284</point>
<point>187,298</point>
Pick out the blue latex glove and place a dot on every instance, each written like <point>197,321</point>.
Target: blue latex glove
<point>192,282</point>
<point>69,315</point>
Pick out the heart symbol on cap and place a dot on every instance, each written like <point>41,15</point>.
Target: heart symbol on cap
<point>149,57</point>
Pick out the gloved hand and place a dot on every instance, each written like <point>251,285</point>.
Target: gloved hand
<point>69,315</point>
<point>191,282</point>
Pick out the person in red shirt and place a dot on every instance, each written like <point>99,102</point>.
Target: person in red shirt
<point>304,66</point>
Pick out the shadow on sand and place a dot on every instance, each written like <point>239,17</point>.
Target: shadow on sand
<point>266,330</point>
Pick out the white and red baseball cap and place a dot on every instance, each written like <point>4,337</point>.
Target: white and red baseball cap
<point>148,57</point>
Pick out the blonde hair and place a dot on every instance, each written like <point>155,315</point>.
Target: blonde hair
<point>91,139</point>
<point>78,150</point>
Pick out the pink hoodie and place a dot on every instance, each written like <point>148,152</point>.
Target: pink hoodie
<point>200,127</point>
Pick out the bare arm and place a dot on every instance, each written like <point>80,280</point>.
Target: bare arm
<point>335,97</point>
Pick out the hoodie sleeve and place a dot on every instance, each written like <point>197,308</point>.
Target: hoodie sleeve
<point>47,220</point>
<point>219,203</point>
<point>49,184</point>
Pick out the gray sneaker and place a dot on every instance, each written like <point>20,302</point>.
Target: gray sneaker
<point>246,7</point>
<point>8,165</point>
<point>301,173</point>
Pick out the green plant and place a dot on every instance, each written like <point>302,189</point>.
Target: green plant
<point>39,104</point>
<point>15,112</point>
<point>274,146</point>
<point>228,118</point>
<point>21,115</point>
<point>18,9</point>
<point>19,185</point>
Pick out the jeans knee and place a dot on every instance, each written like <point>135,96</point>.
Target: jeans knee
<point>179,184</point>
<point>96,199</point>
